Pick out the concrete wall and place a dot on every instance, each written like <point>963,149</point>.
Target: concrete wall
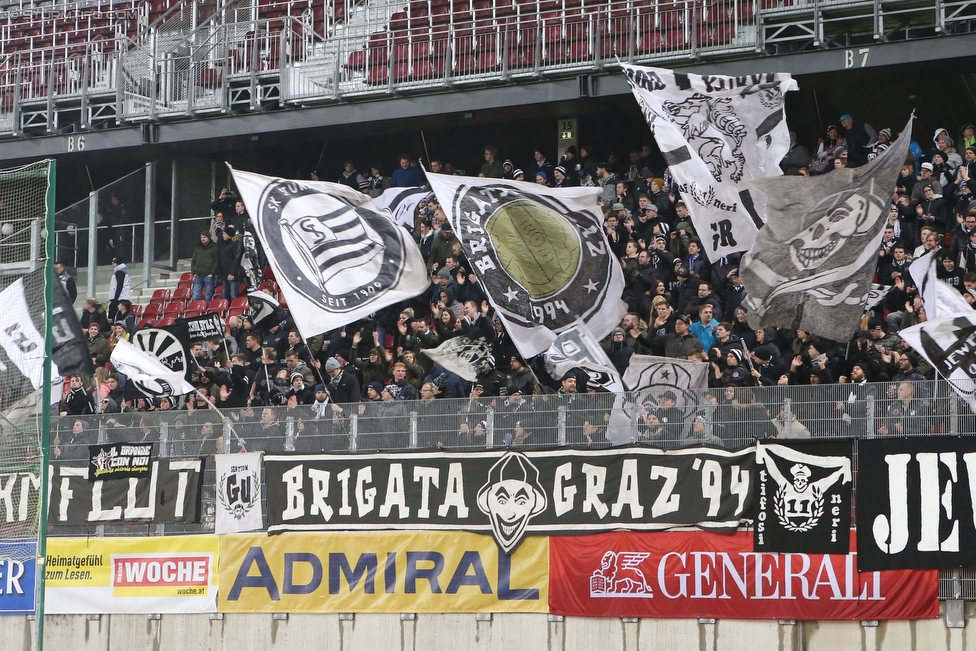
<point>454,632</point>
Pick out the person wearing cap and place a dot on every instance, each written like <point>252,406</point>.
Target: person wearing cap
<point>619,351</point>
<point>350,176</point>
<point>492,168</point>
<point>539,164</point>
<point>925,180</point>
<point>767,365</point>
<point>522,379</point>
<point>490,378</point>
<point>733,372</point>
<point>120,287</point>
<point>343,386</point>
<point>858,137</point>
<point>933,209</point>
<point>561,179</point>
<point>680,344</point>
<point>508,167</point>
<point>518,174</point>
<point>798,156</point>
<point>125,316</point>
<point>541,178</point>
<point>299,392</point>
<point>882,144</point>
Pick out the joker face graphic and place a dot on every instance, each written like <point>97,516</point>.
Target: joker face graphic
<point>511,497</point>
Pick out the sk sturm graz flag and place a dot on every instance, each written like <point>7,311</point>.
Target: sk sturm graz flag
<point>169,345</point>
<point>813,263</point>
<point>337,257</point>
<point>263,306</point>
<point>402,204</point>
<point>147,374</point>
<point>540,255</point>
<point>22,337</point>
<point>716,132</point>
<point>949,345</point>
<point>803,496</point>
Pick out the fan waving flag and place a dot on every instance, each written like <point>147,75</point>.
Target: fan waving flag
<point>812,265</point>
<point>337,257</point>
<point>939,298</point>
<point>540,254</point>
<point>716,132</point>
<point>147,373</point>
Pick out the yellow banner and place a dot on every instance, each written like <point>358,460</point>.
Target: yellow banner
<point>174,574</point>
<point>416,572</point>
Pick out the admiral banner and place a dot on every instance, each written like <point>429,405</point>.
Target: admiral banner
<point>119,460</point>
<point>169,494</point>
<point>510,494</point>
<point>804,497</point>
<point>915,503</point>
<point>430,572</point>
<point>17,567</point>
<point>175,574</point>
<point>699,574</point>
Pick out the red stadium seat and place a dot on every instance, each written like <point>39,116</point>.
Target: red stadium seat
<point>167,321</point>
<point>145,323</point>
<point>183,293</point>
<point>192,314</point>
<point>162,294</point>
<point>237,311</point>
<point>187,277</point>
<point>176,306</point>
<point>219,290</point>
<point>240,301</point>
<point>137,311</point>
<point>153,311</point>
<point>198,305</point>
<point>219,304</point>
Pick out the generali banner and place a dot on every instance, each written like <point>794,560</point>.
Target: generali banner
<point>173,574</point>
<point>703,574</point>
<point>423,572</point>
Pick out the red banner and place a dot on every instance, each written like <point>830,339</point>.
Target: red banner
<point>701,574</point>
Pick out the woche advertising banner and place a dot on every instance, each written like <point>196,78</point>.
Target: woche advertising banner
<point>424,572</point>
<point>175,574</point>
<point>704,574</point>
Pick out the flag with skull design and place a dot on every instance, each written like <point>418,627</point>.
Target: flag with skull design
<point>813,262</point>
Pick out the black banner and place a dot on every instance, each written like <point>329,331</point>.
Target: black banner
<point>915,501</point>
<point>512,494</point>
<point>170,494</point>
<point>119,460</point>
<point>803,497</point>
<point>204,327</point>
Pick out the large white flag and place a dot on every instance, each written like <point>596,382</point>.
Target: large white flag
<point>238,493</point>
<point>716,132</point>
<point>814,261</point>
<point>939,298</point>
<point>464,355</point>
<point>949,345</point>
<point>147,373</point>
<point>402,203</point>
<point>335,255</point>
<point>540,254</point>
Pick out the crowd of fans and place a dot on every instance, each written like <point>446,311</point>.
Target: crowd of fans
<point>680,304</point>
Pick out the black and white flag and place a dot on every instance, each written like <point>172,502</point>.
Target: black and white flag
<point>204,327</point>
<point>146,373</point>
<point>540,254</point>
<point>463,355</point>
<point>716,132</point>
<point>238,493</point>
<point>169,345</point>
<point>949,345</point>
<point>940,299</point>
<point>263,307</point>
<point>803,497</point>
<point>915,503</point>
<point>813,263</point>
<point>665,384</point>
<point>402,204</point>
<point>22,338</point>
<point>337,257</point>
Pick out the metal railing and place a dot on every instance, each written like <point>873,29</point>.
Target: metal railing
<point>198,61</point>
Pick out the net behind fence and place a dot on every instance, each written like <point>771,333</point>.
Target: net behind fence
<point>25,207</point>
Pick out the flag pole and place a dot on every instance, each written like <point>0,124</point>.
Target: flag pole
<point>240,441</point>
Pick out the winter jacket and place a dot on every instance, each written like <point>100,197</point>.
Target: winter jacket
<point>205,260</point>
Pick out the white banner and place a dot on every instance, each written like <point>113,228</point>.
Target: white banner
<point>148,373</point>
<point>540,254</point>
<point>716,132</point>
<point>949,345</point>
<point>335,255</point>
<point>939,298</point>
<point>238,493</point>
<point>402,204</point>
<point>463,355</point>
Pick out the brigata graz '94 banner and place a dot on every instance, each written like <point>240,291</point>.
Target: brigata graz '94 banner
<point>704,574</point>
<point>915,503</point>
<point>174,574</point>
<point>419,572</point>
<point>510,494</point>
